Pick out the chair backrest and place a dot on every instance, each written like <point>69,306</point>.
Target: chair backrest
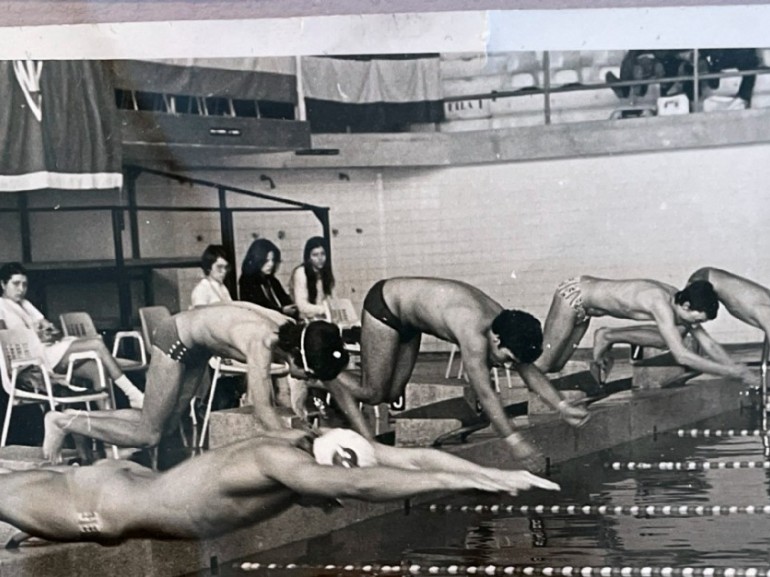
<point>150,318</point>
<point>341,312</point>
<point>78,324</point>
<point>17,345</point>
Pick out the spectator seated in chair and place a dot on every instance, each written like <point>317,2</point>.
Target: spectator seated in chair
<point>18,312</point>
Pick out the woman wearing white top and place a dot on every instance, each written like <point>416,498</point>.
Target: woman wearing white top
<point>310,285</point>
<point>18,312</point>
<point>211,289</point>
<point>312,281</point>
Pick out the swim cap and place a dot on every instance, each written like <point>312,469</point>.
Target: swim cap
<point>345,448</point>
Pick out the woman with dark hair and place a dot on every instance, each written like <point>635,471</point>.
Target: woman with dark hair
<point>258,283</point>
<point>312,281</point>
<point>211,288</point>
<point>18,312</point>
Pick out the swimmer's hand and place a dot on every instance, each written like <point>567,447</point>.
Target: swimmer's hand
<point>514,481</point>
<point>525,453</point>
<point>573,414</point>
<point>600,369</point>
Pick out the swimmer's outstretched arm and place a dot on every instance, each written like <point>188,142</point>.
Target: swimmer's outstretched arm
<point>664,318</point>
<point>383,483</point>
<point>424,459</point>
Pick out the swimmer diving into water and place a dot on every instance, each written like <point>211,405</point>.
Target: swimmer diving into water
<point>233,486</point>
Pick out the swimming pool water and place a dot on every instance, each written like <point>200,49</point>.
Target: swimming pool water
<point>465,538</point>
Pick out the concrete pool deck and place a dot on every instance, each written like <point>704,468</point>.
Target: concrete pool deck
<point>619,418</point>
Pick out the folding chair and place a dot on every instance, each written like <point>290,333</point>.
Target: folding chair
<point>80,324</point>
<point>21,349</point>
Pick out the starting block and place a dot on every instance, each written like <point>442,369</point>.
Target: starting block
<point>24,458</point>
<point>655,368</point>
<point>448,421</point>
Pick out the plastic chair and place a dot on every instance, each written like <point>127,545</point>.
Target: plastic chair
<point>21,349</point>
<point>80,324</point>
<point>461,371</point>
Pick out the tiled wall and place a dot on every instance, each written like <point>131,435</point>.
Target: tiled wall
<point>515,230</point>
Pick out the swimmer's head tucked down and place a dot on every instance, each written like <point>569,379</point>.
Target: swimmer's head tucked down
<point>520,333</point>
<point>698,300</point>
<point>316,348</point>
<point>344,448</point>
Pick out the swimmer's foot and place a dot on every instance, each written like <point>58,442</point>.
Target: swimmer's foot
<point>600,370</point>
<point>55,434</point>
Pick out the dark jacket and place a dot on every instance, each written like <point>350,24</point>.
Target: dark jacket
<point>263,290</point>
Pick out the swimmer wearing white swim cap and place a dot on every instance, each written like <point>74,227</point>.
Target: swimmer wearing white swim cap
<point>344,448</point>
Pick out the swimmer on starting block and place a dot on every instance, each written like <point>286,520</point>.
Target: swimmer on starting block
<point>396,313</point>
<point>232,487</point>
<point>182,346</point>
<point>676,313</point>
<point>744,299</point>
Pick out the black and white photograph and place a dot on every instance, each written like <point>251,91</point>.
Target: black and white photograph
<point>369,289</point>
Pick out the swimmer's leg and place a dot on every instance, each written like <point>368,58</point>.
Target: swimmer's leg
<point>605,338</point>
<point>165,395</point>
<point>560,333</point>
<point>386,365</point>
<point>405,360</point>
<point>380,354</point>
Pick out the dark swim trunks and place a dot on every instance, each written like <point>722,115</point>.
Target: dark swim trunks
<point>375,305</point>
<point>166,338</point>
